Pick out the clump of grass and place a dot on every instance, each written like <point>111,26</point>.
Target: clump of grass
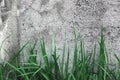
<point>83,67</point>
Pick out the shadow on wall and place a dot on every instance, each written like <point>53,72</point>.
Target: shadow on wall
<point>8,29</point>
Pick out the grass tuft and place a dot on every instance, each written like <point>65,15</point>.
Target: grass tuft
<point>86,66</point>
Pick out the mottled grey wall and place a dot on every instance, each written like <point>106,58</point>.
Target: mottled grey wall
<point>37,18</point>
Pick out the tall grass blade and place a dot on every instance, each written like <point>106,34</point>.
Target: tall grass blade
<point>67,65</point>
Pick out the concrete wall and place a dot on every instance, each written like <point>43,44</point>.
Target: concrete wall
<point>37,18</point>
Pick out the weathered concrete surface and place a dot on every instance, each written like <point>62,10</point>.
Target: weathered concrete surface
<point>9,34</point>
<point>39,18</point>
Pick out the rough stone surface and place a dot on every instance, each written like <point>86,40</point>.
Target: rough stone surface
<point>45,18</point>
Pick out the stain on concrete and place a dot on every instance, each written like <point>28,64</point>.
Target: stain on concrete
<point>44,2</point>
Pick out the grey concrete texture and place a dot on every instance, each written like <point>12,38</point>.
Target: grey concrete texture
<point>34,19</point>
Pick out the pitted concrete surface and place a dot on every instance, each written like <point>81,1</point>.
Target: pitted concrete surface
<point>46,18</point>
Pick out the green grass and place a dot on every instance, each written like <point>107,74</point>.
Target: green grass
<point>85,66</point>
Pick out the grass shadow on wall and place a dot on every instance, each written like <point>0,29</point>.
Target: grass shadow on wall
<point>84,67</point>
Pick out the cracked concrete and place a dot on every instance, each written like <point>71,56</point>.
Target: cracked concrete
<point>47,17</point>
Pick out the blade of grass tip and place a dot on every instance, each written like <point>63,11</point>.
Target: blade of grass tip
<point>17,54</point>
<point>82,51</point>
<point>75,61</point>
<point>117,58</point>
<point>51,58</point>
<point>67,65</point>
<point>93,61</point>
<point>118,67</point>
<point>48,73</point>
<point>83,68</point>
<point>57,70</point>
<point>33,58</point>
<point>55,58</point>
<point>63,59</point>
<point>94,54</point>
<point>106,57</point>
<point>44,54</point>
<point>102,58</point>
<point>107,61</point>
<point>88,65</point>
